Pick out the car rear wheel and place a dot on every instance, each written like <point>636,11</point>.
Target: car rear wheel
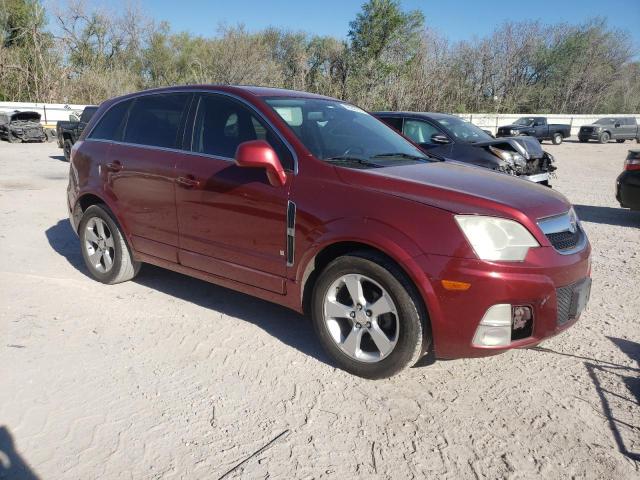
<point>620,140</point>
<point>66,148</point>
<point>104,249</point>
<point>557,138</point>
<point>367,316</point>
<point>604,138</point>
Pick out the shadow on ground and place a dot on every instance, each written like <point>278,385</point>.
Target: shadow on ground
<point>614,404</point>
<point>286,325</point>
<point>58,157</point>
<point>12,465</point>
<point>620,217</point>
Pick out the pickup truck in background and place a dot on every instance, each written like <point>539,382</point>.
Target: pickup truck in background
<point>610,128</point>
<point>69,131</point>
<point>536,127</point>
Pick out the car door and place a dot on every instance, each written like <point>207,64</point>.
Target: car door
<point>422,132</point>
<point>142,172</point>
<point>232,221</point>
<point>629,128</point>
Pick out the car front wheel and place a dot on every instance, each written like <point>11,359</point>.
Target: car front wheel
<point>604,138</point>
<point>104,249</point>
<point>367,316</point>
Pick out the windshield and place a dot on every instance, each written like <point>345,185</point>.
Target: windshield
<point>338,132</point>
<point>464,131</point>
<point>524,121</point>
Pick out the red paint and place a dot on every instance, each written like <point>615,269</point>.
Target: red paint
<point>225,222</point>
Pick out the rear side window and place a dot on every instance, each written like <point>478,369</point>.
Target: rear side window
<point>154,120</point>
<point>419,132</point>
<point>221,124</point>
<point>393,122</point>
<point>110,126</point>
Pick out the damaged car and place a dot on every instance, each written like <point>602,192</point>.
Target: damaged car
<point>21,127</point>
<point>453,138</point>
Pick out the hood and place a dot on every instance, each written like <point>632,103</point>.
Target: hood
<point>460,189</point>
<point>529,147</point>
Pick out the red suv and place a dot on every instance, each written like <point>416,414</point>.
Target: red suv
<point>312,203</point>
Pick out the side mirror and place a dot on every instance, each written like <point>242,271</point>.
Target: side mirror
<point>440,138</point>
<point>259,154</point>
<point>617,125</point>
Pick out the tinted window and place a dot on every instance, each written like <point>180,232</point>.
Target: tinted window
<point>395,123</point>
<point>221,124</point>
<point>110,126</point>
<point>419,132</point>
<point>87,113</point>
<point>154,120</point>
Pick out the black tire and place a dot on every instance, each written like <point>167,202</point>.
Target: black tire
<point>604,137</point>
<point>412,336</point>
<point>583,140</point>
<point>66,148</point>
<point>620,140</point>
<point>12,139</point>
<point>124,266</point>
<point>557,138</point>
<point>637,139</point>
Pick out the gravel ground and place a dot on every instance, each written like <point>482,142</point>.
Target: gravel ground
<point>171,377</point>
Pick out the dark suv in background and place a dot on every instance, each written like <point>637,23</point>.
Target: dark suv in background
<point>610,128</point>
<point>453,138</point>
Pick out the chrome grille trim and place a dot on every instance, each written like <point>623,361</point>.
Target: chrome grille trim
<point>567,223</point>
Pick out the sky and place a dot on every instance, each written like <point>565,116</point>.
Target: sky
<point>456,20</point>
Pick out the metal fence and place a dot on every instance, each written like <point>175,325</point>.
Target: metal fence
<point>53,112</point>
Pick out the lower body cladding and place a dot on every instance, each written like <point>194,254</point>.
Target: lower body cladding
<point>506,305</point>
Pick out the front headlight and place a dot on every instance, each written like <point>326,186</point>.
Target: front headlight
<point>511,157</point>
<point>515,132</point>
<point>494,238</point>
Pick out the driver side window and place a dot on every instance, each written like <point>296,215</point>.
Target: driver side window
<point>419,132</point>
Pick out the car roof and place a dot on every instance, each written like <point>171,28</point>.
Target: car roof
<point>427,115</point>
<point>241,90</point>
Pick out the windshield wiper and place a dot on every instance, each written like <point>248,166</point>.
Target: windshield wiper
<point>403,155</point>
<point>347,159</point>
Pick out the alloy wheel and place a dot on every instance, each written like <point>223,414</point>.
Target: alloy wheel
<point>99,244</point>
<point>361,317</point>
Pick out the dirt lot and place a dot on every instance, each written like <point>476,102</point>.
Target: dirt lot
<point>171,377</point>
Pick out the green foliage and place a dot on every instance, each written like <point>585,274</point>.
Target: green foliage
<point>389,60</point>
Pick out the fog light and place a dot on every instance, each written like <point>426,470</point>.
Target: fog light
<point>495,327</point>
<point>522,326</point>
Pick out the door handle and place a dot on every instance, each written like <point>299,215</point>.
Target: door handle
<point>187,182</point>
<point>115,166</point>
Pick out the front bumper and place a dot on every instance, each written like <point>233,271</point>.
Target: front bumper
<point>589,135</point>
<point>537,283</point>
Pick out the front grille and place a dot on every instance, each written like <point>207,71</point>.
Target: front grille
<point>586,129</point>
<point>564,240</point>
<point>564,296</point>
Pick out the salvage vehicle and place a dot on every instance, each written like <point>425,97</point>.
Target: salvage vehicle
<point>21,127</point>
<point>314,204</point>
<point>628,182</point>
<point>610,128</point>
<point>452,138</point>
<point>69,131</point>
<point>536,127</point>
